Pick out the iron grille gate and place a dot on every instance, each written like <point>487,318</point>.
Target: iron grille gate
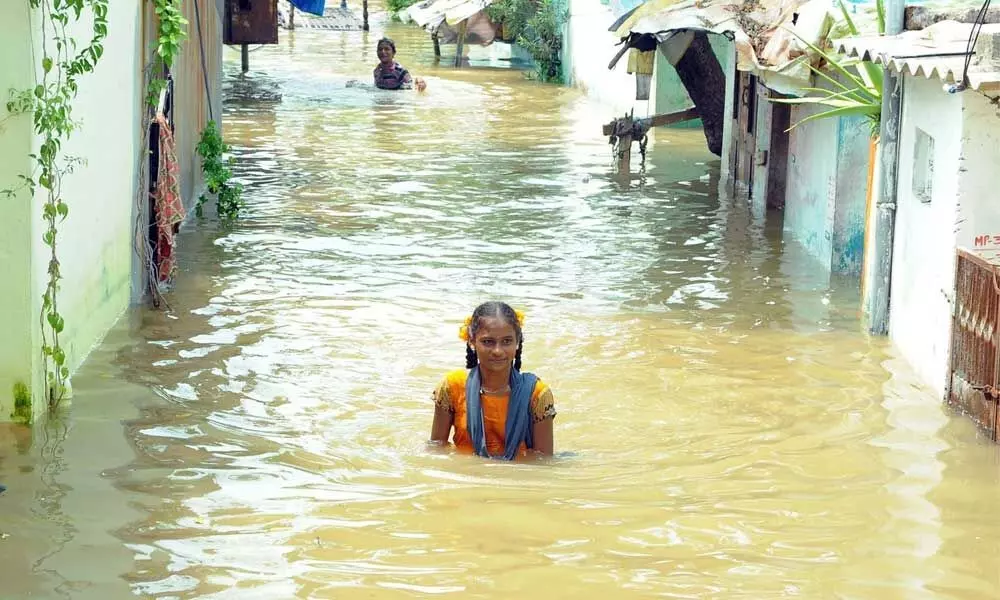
<point>972,378</point>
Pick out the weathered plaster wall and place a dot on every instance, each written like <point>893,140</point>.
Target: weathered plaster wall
<point>827,186</point>
<point>979,223</point>
<point>923,263</point>
<point>669,94</point>
<point>810,198</point>
<point>95,241</point>
<point>192,109</point>
<point>853,154</point>
<point>17,322</point>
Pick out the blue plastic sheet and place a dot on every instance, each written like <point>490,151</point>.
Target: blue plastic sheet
<point>314,7</point>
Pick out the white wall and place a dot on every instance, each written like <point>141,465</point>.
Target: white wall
<point>588,48</point>
<point>979,225</point>
<point>95,241</point>
<point>17,321</point>
<point>97,237</point>
<point>923,263</point>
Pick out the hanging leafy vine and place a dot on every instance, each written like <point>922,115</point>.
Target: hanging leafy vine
<point>50,103</point>
<point>170,36</point>
<point>216,168</point>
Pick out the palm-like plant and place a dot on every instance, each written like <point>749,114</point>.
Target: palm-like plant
<point>860,92</point>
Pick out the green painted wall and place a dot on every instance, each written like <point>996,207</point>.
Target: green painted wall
<point>670,95</point>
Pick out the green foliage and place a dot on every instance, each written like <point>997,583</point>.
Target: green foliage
<point>396,6</point>
<point>856,85</point>
<point>22,404</point>
<point>50,103</point>
<point>513,15</point>
<point>170,36</point>
<point>216,168</point>
<point>535,25</point>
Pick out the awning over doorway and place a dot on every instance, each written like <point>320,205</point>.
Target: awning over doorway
<point>768,34</point>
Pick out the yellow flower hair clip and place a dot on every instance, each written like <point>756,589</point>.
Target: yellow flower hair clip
<point>463,331</point>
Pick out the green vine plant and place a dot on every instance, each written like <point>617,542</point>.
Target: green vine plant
<point>217,171</point>
<point>535,26</point>
<point>50,103</point>
<point>170,36</point>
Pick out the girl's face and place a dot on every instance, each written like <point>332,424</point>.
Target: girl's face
<point>385,53</point>
<point>495,344</point>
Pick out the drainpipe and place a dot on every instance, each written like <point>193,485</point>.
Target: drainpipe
<point>877,302</point>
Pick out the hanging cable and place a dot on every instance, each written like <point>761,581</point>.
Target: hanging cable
<point>204,67</point>
<point>977,26</point>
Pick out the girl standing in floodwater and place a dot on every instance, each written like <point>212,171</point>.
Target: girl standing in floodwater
<point>389,74</point>
<point>496,410</point>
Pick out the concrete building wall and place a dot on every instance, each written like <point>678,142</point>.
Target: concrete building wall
<point>853,155</point>
<point>192,109</point>
<point>669,94</point>
<point>978,227</point>
<point>588,48</point>
<point>96,241</point>
<point>811,195</point>
<point>827,189</point>
<point>17,321</point>
<point>96,250</point>
<point>923,263</point>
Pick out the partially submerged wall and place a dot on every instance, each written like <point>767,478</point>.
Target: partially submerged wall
<point>827,188</point>
<point>95,241</point>
<point>924,244</point>
<point>18,322</point>
<point>588,47</point>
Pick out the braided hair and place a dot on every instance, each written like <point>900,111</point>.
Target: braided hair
<point>499,310</point>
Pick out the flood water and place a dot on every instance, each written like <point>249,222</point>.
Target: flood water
<point>725,429</point>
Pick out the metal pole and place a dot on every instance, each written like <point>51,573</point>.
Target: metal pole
<point>437,46</point>
<point>364,15</point>
<point>245,56</point>
<point>878,302</point>
<point>291,15</point>
<point>461,42</point>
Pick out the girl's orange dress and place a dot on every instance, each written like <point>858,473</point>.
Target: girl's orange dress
<point>450,396</point>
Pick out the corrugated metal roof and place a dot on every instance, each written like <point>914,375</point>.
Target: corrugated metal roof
<point>935,52</point>
<point>767,34</point>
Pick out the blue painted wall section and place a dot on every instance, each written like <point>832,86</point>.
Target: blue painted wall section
<point>852,182</point>
<point>827,185</point>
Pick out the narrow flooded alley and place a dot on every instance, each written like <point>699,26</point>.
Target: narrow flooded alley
<point>725,429</point>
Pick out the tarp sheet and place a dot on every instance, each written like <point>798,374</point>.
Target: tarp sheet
<point>313,7</point>
<point>431,13</point>
<point>443,17</point>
